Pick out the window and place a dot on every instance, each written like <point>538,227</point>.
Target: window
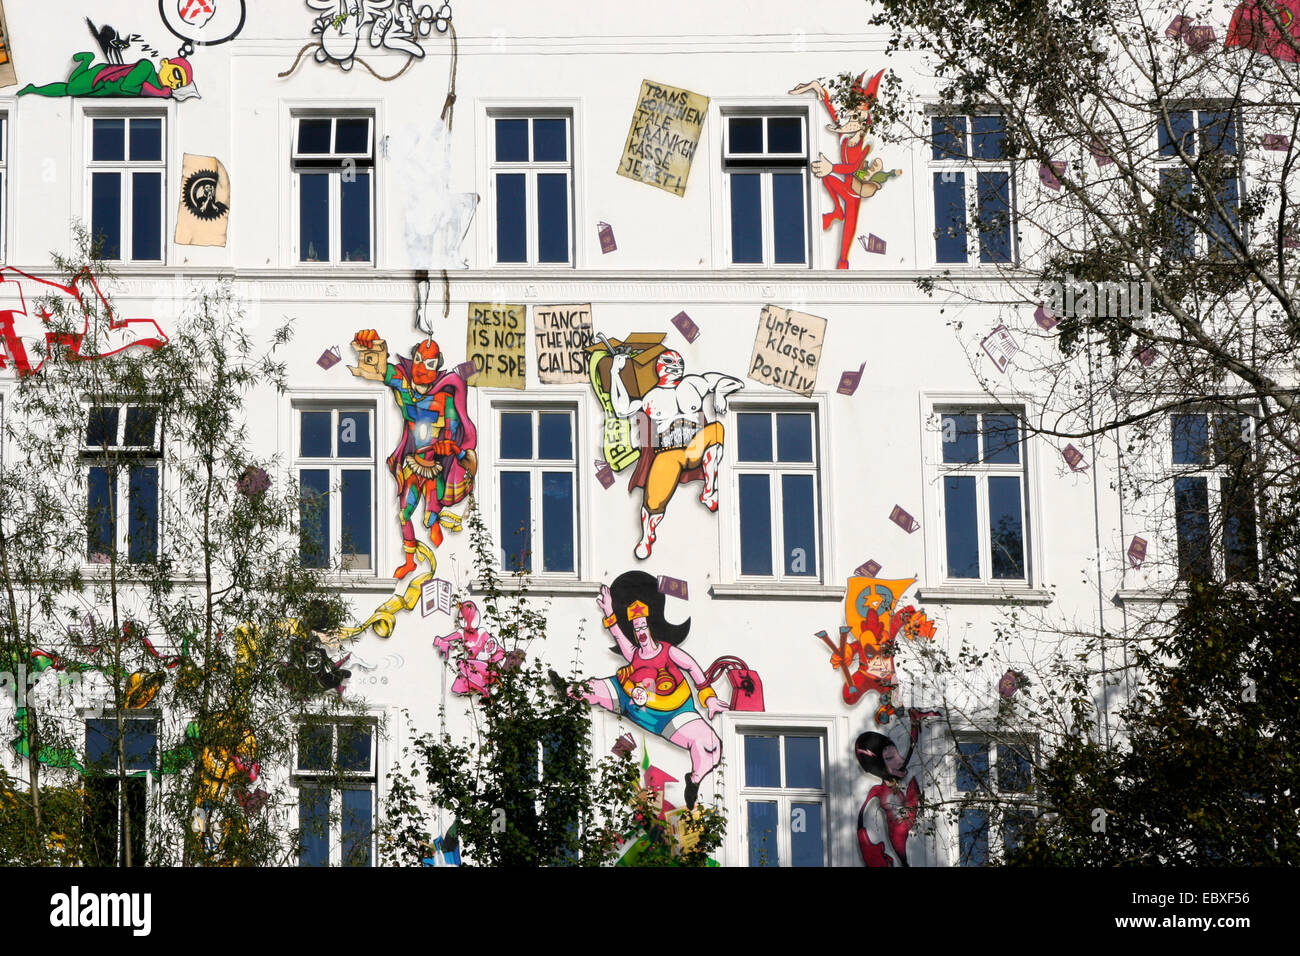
<point>1208,139</point>
<point>776,491</point>
<point>336,477</point>
<point>784,797</point>
<point>1214,497</point>
<point>990,775</point>
<point>333,176</point>
<point>983,504</point>
<point>765,160</point>
<point>126,177</point>
<point>336,780</point>
<point>537,489</point>
<point>532,175</point>
<point>122,455</point>
<point>111,801</point>
<point>973,189</point>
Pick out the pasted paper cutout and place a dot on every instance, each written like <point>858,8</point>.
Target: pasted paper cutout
<point>435,596</point>
<point>685,325</point>
<point>904,520</point>
<point>496,343</point>
<point>204,209</point>
<point>673,587</point>
<point>1050,174</point>
<point>1074,458</point>
<point>872,243</point>
<point>606,233</point>
<point>562,334</point>
<point>849,381</point>
<point>330,357</point>
<point>1276,142</point>
<point>663,136</point>
<point>1000,347</point>
<point>1045,319</point>
<point>867,570</point>
<point>1137,551</point>
<point>787,350</point>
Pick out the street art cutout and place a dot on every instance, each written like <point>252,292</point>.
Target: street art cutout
<point>850,380</point>
<point>562,333</point>
<point>868,569</point>
<point>787,350</point>
<point>673,587</point>
<point>1254,29</point>
<point>496,343</point>
<point>479,649</point>
<point>684,324</point>
<point>399,26</point>
<point>852,179</point>
<point>1000,346</point>
<point>203,22</point>
<point>643,838</point>
<point>7,75</point>
<point>1009,683</point>
<point>640,382</point>
<point>889,812</point>
<point>605,232</point>
<point>1137,552</point>
<point>204,210</point>
<point>27,335</point>
<point>652,690</point>
<point>434,462</point>
<point>1049,174</point>
<point>872,242</point>
<point>310,670</point>
<point>1276,142</point>
<point>170,79</point>
<point>904,520</point>
<point>663,137</point>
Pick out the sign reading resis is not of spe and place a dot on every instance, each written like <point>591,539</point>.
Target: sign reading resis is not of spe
<point>496,340</point>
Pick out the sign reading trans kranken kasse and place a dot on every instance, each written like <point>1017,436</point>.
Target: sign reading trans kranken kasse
<point>665,131</point>
<point>787,349</point>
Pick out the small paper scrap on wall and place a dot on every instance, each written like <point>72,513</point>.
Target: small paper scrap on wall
<point>787,350</point>
<point>562,334</point>
<point>496,344</point>
<point>663,136</point>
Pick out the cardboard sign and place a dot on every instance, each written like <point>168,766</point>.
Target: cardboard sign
<point>496,345</point>
<point>638,375</point>
<point>663,136</point>
<point>562,334</point>
<point>787,350</point>
<point>204,209</point>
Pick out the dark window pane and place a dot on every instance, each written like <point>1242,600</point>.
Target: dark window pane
<point>557,521</point>
<point>354,227</point>
<point>1175,192</point>
<point>146,216</point>
<point>106,213</point>
<point>554,436</point>
<point>745,134</point>
<point>1232,436</point>
<point>315,746</point>
<point>803,762</point>
<point>512,140</point>
<point>806,842</point>
<point>315,437</point>
<point>354,495</point>
<point>352,136</point>
<point>1016,826</point>
<point>973,829</point>
<point>512,239</point>
<point>314,217</point>
<point>793,437</point>
<point>1221,226</point>
<point>948,137</point>
<point>354,435</point>
<point>100,514</point>
<point>960,439</point>
<point>1178,131</point>
<point>755,524</point>
<point>799,525</point>
<point>1015,771</point>
<point>139,743</point>
<point>754,442</point>
<point>146,139</point>
<point>142,528</point>
<point>746,218</point>
<point>553,217</point>
<point>108,140</point>
<point>987,136</point>
<point>314,518</point>
<point>761,824</point>
<point>1240,547</point>
<point>141,423</point>
<point>961,527</point>
<point>994,190</point>
<point>355,742</point>
<point>516,521</point>
<point>1191,440</point>
<point>762,761</point>
<point>314,135</point>
<point>1006,528</point>
<point>950,217</point>
<point>101,430</point>
<point>1001,439</point>
<point>314,826</point>
<point>788,217</point>
<point>972,766</point>
<point>1218,132</point>
<point>550,140</point>
<point>357,823</point>
<point>517,435</point>
<point>1192,507</point>
<point>785,134</point>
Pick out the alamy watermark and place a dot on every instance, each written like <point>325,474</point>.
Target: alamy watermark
<point>1083,299</point>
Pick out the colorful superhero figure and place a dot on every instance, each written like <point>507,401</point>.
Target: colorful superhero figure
<point>655,675</point>
<point>854,178</point>
<point>889,812</point>
<point>89,78</point>
<point>434,461</point>
<point>481,649</point>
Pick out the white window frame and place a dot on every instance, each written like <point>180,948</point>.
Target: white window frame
<point>317,164</point>
<point>996,829</point>
<point>125,168</point>
<point>336,465</point>
<point>336,781</point>
<point>123,455</point>
<point>1201,237</point>
<point>530,170</point>
<point>765,164</point>
<point>971,167</point>
<point>151,777</point>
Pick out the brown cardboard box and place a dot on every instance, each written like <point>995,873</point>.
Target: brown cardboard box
<point>639,373</point>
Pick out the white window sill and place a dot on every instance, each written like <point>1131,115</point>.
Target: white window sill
<point>984,594</point>
<point>763,590</point>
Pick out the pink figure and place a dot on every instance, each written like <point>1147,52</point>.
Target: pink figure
<point>887,802</point>
<point>481,649</point>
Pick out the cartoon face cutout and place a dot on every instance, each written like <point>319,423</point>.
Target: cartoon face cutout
<point>670,367</point>
<point>872,594</point>
<point>172,74</point>
<point>426,361</point>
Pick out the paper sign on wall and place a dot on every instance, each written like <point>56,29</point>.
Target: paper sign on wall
<point>496,344</point>
<point>563,333</point>
<point>787,350</point>
<point>662,138</point>
<point>204,210</point>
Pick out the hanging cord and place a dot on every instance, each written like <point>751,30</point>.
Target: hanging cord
<point>449,104</point>
<point>446,295</point>
<point>410,58</point>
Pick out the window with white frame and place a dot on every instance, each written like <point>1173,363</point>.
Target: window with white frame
<point>992,776</point>
<point>1207,139</point>
<point>537,488</point>
<point>532,187</point>
<point>125,184</point>
<point>784,797</point>
<point>765,164</point>
<point>777,493</point>
<point>1214,495</point>
<point>336,777</point>
<point>983,501</point>
<point>122,458</point>
<point>973,189</point>
<point>335,465</point>
<point>112,799</point>
<point>333,163</point>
